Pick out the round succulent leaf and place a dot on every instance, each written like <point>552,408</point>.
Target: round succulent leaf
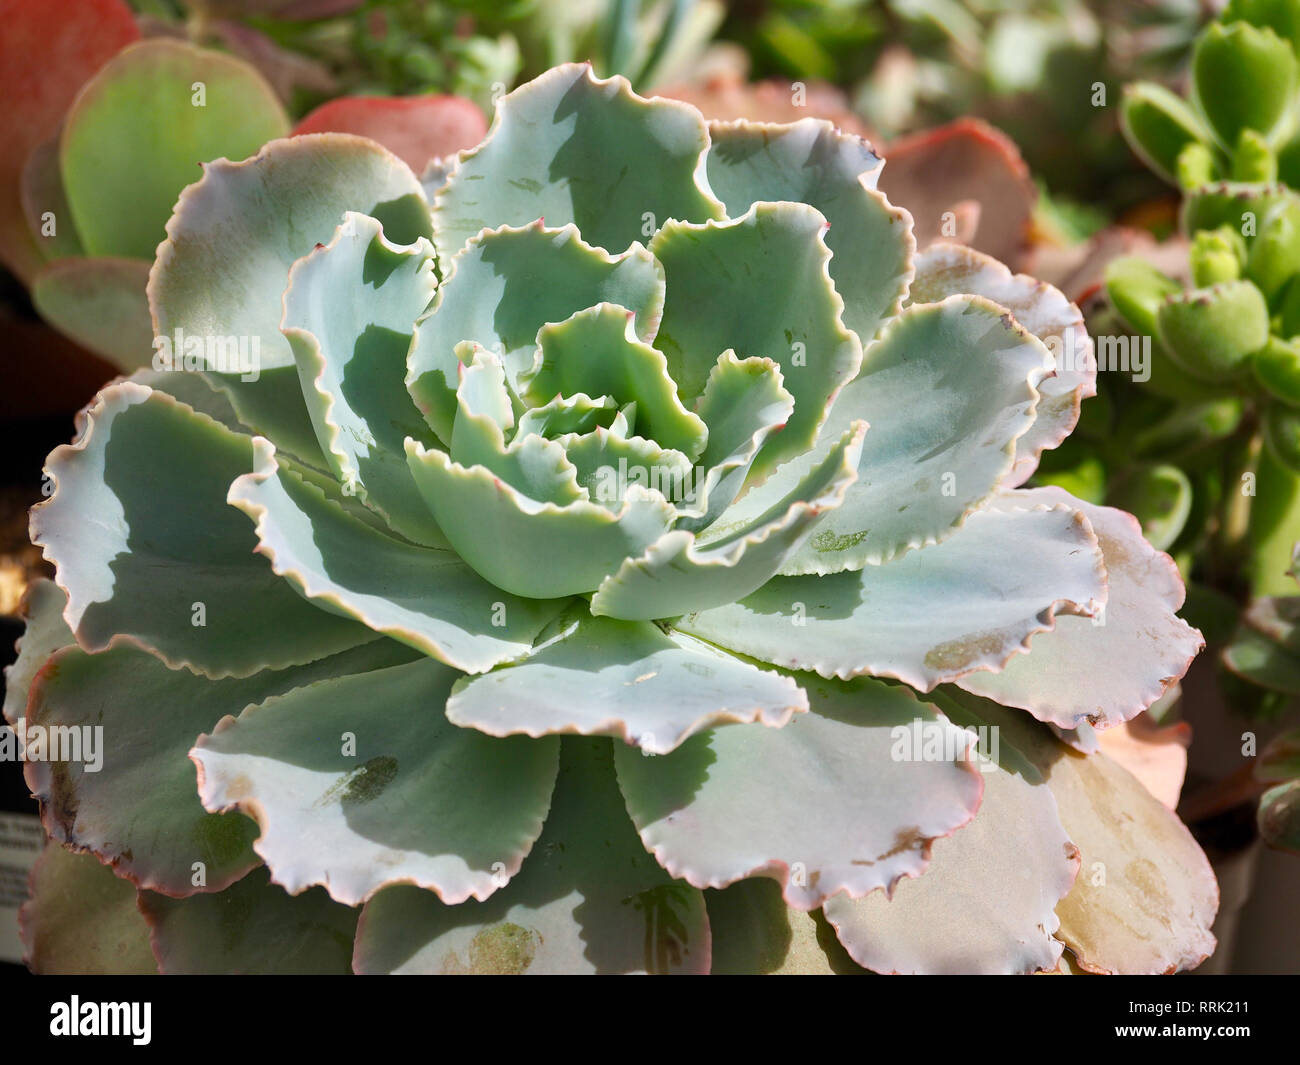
<point>589,899</point>
<point>758,285</point>
<point>490,296</point>
<point>45,204</point>
<point>254,928</point>
<point>597,351</point>
<point>531,548</point>
<point>1160,497</point>
<point>46,54</point>
<point>416,129</point>
<point>1281,16</point>
<point>967,376</point>
<point>1243,77</point>
<point>812,162</point>
<point>1136,288</point>
<point>1279,816</point>
<point>132,137</point>
<point>81,920</point>
<point>1158,124</point>
<point>99,303</point>
<point>1111,668</point>
<point>1274,256</point>
<point>1210,332</point>
<point>573,148</point>
<point>349,315</point>
<point>986,905</point>
<point>46,632</point>
<point>734,802</point>
<point>128,794</point>
<point>684,571</point>
<point>235,234</point>
<point>968,604</point>
<point>166,564</point>
<point>358,782</point>
<point>1277,369</point>
<point>945,269</point>
<point>1145,896</point>
<point>1239,205</point>
<point>754,932</point>
<point>626,679</point>
<point>424,597</point>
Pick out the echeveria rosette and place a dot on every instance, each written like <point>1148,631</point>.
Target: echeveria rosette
<point>563,587</point>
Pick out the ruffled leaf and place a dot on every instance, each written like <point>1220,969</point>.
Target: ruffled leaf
<point>571,148</point>
<point>46,632</point>
<point>149,552</point>
<point>423,597</point>
<point>812,162</point>
<point>969,603</point>
<point>1110,669</point>
<point>630,680</point>
<point>736,802</point>
<point>715,270</point>
<point>360,781</point>
<point>589,899</point>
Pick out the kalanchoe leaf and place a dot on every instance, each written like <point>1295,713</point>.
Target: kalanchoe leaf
<point>1158,125</point>
<point>1107,672</point>
<point>141,815</point>
<point>1242,78</point>
<point>1160,497</point>
<point>969,603</point>
<point>1216,256</point>
<point>945,269</point>
<point>571,148</point>
<point>1282,435</point>
<point>100,303</point>
<point>426,598</point>
<point>734,802</point>
<point>351,357</point>
<point>1137,289</point>
<point>251,927</point>
<point>1253,159</point>
<point>1145,896</point>
<point>121,204</point>
<point>1211,331</point>
<point>1196,166</point>
<point>630,680</point>
<point>922,476</point>
<point>166,564</point>
<point>812,162</point>
<point>1279,816</point>
<point>1230,203</point>
<point>598,352</point>
<point>682,572</point>
<point>966,914</point>
<point>1281,16</point>
<point>589,899</point>
<point>1275,252</point>
<point>743,403</point>
<point>777,249</point>
<point>415,801</point>
<point>490,296</point>
<point>1277,369</point>
<point>46,632</point>
<point>82,920</point>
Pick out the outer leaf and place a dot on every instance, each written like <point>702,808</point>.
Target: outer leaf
<point>735,802</point>
<point>425,598</point>
<point>134,133</point>
<point>970,603</point>
<point>630,680</point>
<point>501,533</point>
<point>415,800</point>
<point>133,803</point>
<point>714,272</point>
<point>46,632</point>
<point>681,572</point>
<point>251,927</point>
<point>164,563</point>
<point>1110,671</point>
<point>82,920</point>
<point>589,899</point>
<point>349,315</point>
<point>572,148</point>
<point>986,903</point>
<point>945,269</point>
<point>490,296</point>
<point>99,303</point>
<point>1145,896</point>
<point>811,162</point>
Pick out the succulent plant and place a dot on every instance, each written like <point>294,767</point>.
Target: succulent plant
<point>603,559</point>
